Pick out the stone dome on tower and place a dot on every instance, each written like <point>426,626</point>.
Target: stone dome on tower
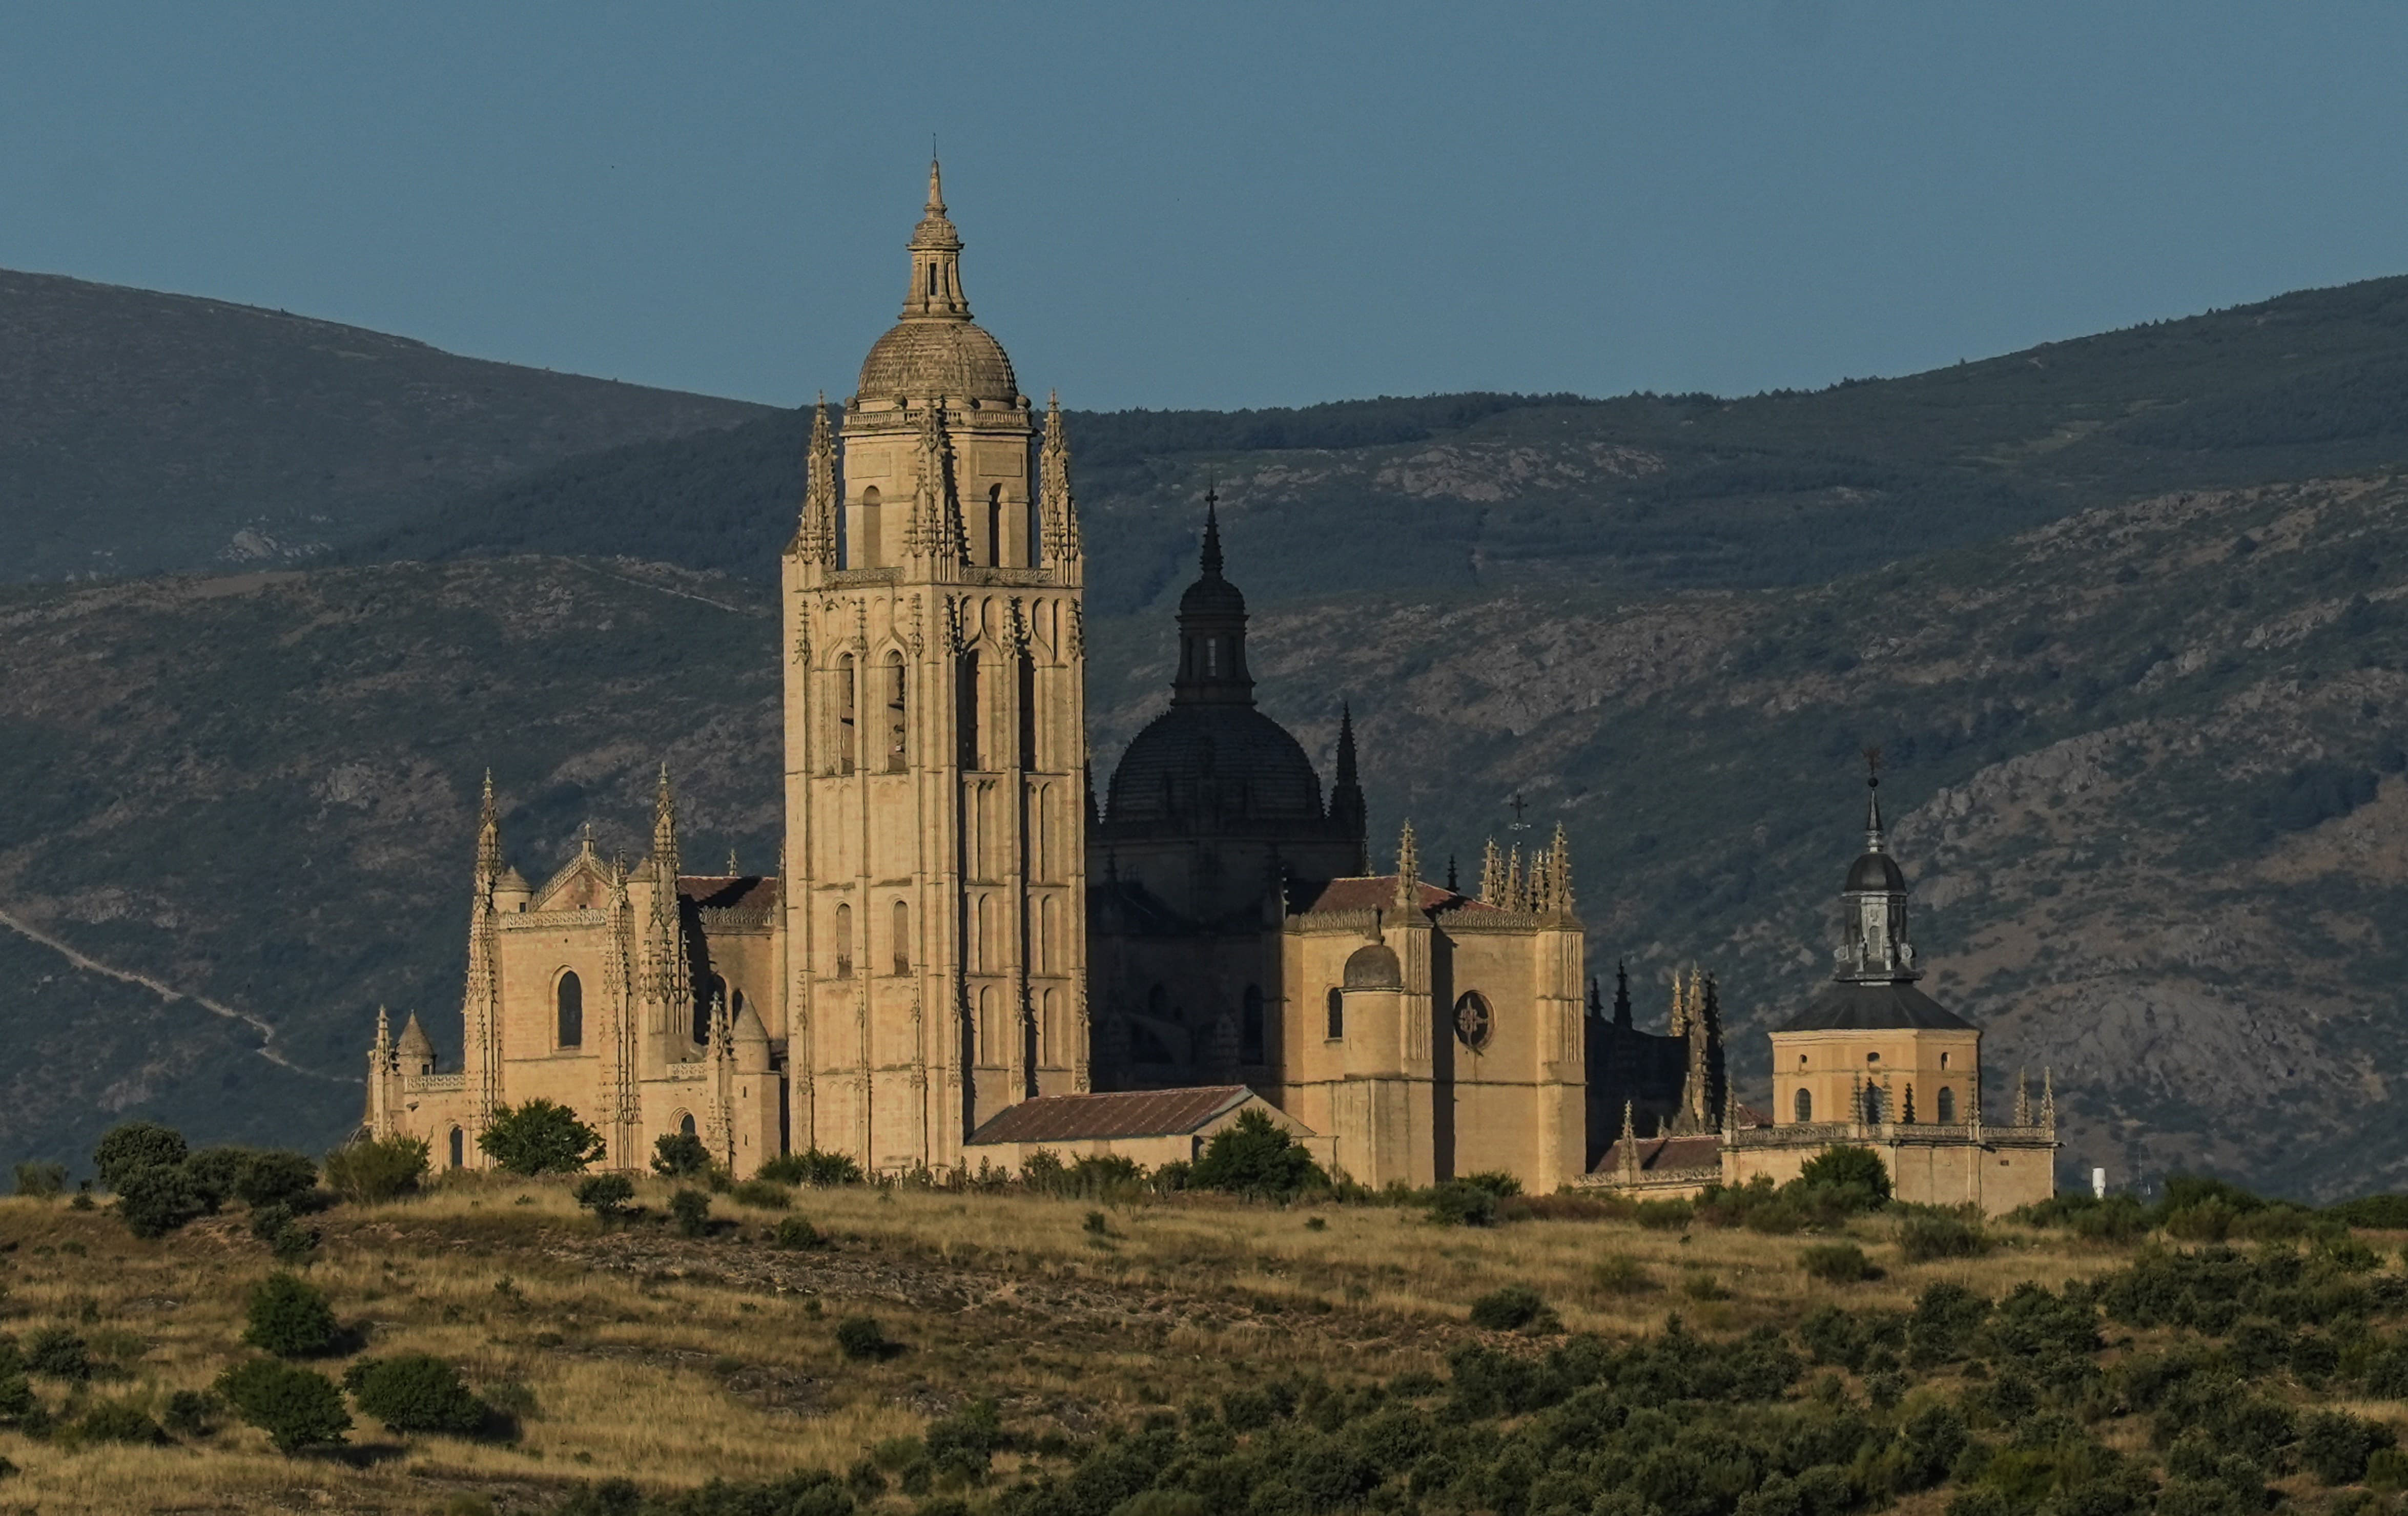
<point>936,348</point>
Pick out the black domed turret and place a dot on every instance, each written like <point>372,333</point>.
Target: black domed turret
<point>1876,871</point>
<point>1212,631</point>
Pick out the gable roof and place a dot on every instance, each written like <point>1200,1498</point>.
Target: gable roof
<point>1136,1113</point>
<point>1662,1154</point>
<point>1851,1006</point>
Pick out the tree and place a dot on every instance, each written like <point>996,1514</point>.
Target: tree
<point>691,1209</point>
<point>540,1138</point>
<point>41,1181</point>
<point>156,1199</point>
<point>1252,1156</point>
<point>375,1168</point>
<point>276,1177</point>
<point>1848,1168</point>
<point>289,1318</point>
<point>605,1194</point>
<point>133,1146</point>
<point>296,1408</point>
<point>415,1392</point>
<point>679,1155</point>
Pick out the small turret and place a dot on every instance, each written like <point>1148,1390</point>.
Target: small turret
<point>415,1052</point>
<point>1409,871</point>
<point>750,1040</point>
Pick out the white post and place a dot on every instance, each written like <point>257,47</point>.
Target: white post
<point>2099,1183</point>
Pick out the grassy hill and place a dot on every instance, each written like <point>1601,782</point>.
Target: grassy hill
<point>141,430</point>
<point>1052,1356</point>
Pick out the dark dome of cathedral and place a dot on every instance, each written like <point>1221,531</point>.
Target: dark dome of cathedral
<point>939,357</point>
<point>1876,871</point>
<point>1231,760</point>
<point>1211,595</point>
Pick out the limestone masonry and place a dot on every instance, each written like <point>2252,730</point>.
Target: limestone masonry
<point>969,955</point>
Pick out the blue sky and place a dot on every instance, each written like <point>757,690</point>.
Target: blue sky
<point>1218,205</point>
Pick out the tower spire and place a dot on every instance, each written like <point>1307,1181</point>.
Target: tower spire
<point>665,837</point>
<point>935,293</point>
<point>1211,630</point>
<point>1058,512</point>
<point>1409,871</point>
<point>815,535</point>
<point>489,837</point>
<point>1209,558</point>
<point>1349,817</point>
<point>1872,800</point>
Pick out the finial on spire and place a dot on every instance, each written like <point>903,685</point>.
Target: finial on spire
<point>935,181</point>
<point>1872,800</point>
<point>1211,556</point>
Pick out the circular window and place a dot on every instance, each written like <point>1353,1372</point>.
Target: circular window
<point>1473,1024</point>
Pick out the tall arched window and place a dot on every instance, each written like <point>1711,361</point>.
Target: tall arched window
<point>983,949</point>
<point>1250,1026</point>
<point>989,1035</point>
<point>896,728</point>
<point>1336,1014</point>
<point>685,1124</point>
<point>902,930</point>
<point>1049,923</point>
<point>459,1147</point>
<point>995,524</point>
<point>845,721</point>
<point>1946,1106</point>
<point>1049,1029</point>
<point>868,549</point>
<point>966,718</point>
<point>844,942</point>
<point>1872,1103</point>
<point>1027,711</point>
<point>568,999</point>
<point>1803,1106</point>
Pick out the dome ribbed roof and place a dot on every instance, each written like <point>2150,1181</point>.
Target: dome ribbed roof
<point>1229,760</point>
<point>939,358</point>
<point>1876,871</point>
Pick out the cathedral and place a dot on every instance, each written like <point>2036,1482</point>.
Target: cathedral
<point>971,951</point>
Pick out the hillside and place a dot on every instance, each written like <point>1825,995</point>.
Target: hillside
<point>1472,495</point>
<point>2145,771</point>
<point>141,430</point>
<point>1184,1354</point>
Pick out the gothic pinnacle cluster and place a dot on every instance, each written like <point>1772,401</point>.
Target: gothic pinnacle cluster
<point>1545,889</point>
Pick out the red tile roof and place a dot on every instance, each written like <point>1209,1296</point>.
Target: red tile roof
<point>1379,893</point>
<point>1138,1113</point>
<point>1659,1154</point>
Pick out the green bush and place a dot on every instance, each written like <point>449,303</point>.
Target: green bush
<point>691,1209</point>
<point>1253,1156</point>
<point>191,1414</point>
<point>1498,1182</point>
<point>1461,1203</point>
<point>275,1178</point>
<point>19,1405</point>
<point>860,1338</point>
<point>372,1169</point>
<point>1924,1235</point>
<point>1846,1170</point>
<point>679,1155</point>
<point>797,1234</point>
<point>1665,1215</point>
<point>1618,1273</point>
<point>297,1408</point>
<point>762,1195</point>
<point>540,1138</point>
<point>54,1352</point>
<point>215,1171</point>
<point>41,1181</point>
<point>119,1420</point>
<point>415,1391</point>
<point>1510,1309</point>
<point>605,1194</point>
<point>1838,1263</point>
<point>133,1146</point>
<point>2334,1445</point>
<point>813,1168</point>
<point>289,1318</point>
<point>2377,1212</point>
<point>156,1200</point>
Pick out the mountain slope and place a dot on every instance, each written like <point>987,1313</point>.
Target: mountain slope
<point>141,430</point>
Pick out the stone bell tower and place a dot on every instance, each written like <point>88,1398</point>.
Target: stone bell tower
<point>936,750</point>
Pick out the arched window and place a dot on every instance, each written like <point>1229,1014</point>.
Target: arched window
<point>569,999</point>
<point>844,942</point>
<point>1946,1106</point>
<point>1027,713</point>
<point>902,930</point>
<point>989,1035</point>
<point>1250,1026</point>
<point>1336,1014</point>
<point>868,549</point>
<point>1804,1106</point>
<point>685,1123</point>
<point>895,731</point>
<point>1872,1103</point>
<point>983,954</point>
<point>995,524</point>
<point>1049,1030</point>
<point>844,714</point>
<point>1049,924</point>
<point>966,718</point>
<point>932,282</point>
<point>459,1147</point>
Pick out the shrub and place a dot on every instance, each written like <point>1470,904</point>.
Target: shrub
<point>2334,1445</point>
<point>372,1169</point>
<point>156,1200</point>
<point>19,1405</point>
<point>119,1420</point>
<point>813,1168</point>
<point>1498,1182</point>
<point>605,1194</point>
<point>540,1138</point>
<point>679,1155</point>
<point>2380,1212</point>
<point>1618,1273</point>
<point>215,1171</point>
<point>275,1178</point>
<point>763,1194</point>
<point>860,1337</point>
<point>1847,1170</point>
<point>1924,1235</point>
<point>964,1443</point>
<point>1838,1263</point>
<point>1254,1156</point>
<point>415,1391</point>
<point>1509,1308</point>
<point>289,1318</point>
<point>296,1408</point>
<point>191,1414</point>
<point>797,1234</point>
<point>41,1181</point>
<point>57,1353</point>
<point>133,1146</point>
<point>1665,1215</point>
<point>692,1211</point>
<point>1461,1203</point>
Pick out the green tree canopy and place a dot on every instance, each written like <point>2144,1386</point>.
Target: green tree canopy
<point>540,1138</point>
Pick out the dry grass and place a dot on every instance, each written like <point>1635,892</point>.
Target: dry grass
<point>672,1361</point>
